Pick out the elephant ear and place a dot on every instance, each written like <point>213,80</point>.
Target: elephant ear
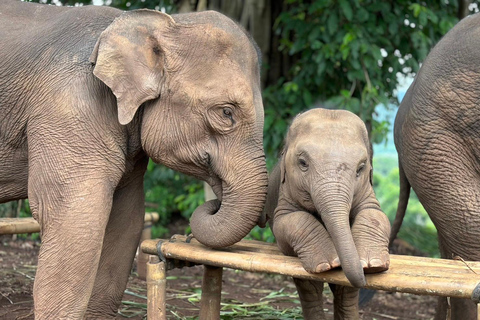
<point>130,60</point>
<point>368,146</point>
<point>283,168</point>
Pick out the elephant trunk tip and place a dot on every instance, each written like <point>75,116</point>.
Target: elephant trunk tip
<point>358,282</point>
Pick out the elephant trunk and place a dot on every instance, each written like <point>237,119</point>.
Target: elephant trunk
<point>333,203</point>
<point>244,187</point>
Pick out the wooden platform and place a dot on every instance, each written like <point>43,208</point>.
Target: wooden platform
<point>417,275</point>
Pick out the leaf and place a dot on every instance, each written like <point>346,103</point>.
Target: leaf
<point>332,23</point>
<point>315,33</point>
<point>362,14</point>
<point>393,28</point>
<point>416,8</point>
<point>345,93</point>
<point>347,9</point>
<point>345,50</point>
<point>307,98</point>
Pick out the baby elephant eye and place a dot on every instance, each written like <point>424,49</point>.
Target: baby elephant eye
<point>360,168</point>
<point>227,112</point>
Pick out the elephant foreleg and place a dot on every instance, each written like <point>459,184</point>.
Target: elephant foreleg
<point>72,235</point>
<point>300,234</point>
<point>311,298</point>
<point>345,303</point>
<point>119,247</point>
<point>371,230</point>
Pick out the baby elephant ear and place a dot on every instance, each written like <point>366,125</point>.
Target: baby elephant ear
<point>129,58</point>
<point>283,168</point>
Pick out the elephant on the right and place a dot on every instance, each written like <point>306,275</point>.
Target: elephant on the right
<point>437,136</point>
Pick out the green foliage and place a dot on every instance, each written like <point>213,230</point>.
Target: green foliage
<point>169,192</point>
<point>260,234</point>
<point>15,209</point>
<point>417,228</point>
<point>348,55</point>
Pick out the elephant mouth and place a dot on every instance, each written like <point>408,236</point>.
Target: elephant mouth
<point>217,186</point>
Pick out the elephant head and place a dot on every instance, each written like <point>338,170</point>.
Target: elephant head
<point>325,171</point>
<point>193,82</point>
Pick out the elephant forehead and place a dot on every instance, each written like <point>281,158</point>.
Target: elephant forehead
<point>327,148</point>
<point>335,131</point>
<point>207,42</point>
<point>204,89</point>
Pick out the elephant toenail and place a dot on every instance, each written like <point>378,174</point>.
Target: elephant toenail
<point>376,263</point>
<point>322,267</point>
<point>336,263</point>
<point>364,264</point>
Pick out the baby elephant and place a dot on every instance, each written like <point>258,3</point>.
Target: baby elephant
<point>322,207</point>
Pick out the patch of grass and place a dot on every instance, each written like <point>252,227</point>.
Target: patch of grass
<point>230,308</point>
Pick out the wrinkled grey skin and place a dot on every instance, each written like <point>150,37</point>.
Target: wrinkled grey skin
<point>86,96</point>
<point>323,209</point>
<point>437,136</point>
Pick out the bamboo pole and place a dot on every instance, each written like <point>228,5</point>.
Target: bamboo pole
<point>142,258</point>
<point>151,217</point>
<point>18,225</point>
<point>156,289</point>
<point>30,225</point>
<point>417,275</point>
<point>211,293</point>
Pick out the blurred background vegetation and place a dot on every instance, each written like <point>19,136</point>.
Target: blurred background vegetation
<point>348,54</point>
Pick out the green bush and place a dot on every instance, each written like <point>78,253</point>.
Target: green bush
<point>417,228</point>
<point>170,193</point>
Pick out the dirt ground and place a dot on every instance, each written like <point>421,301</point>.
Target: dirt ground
<point>245,295</point>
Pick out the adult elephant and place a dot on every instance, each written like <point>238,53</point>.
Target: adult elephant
<point>87,96</point>
<point>322,207</point>
<point>437,136</point>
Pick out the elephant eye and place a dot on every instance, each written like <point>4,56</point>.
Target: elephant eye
<point>360,168</point>
<point>302,164</point>
<point>227,112</point>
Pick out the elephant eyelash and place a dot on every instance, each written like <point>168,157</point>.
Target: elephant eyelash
<point>360,168</point>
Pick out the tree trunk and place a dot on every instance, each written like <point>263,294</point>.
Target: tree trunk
<point>463,10</point>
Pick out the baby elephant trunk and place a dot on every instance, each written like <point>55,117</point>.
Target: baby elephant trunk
<point>334,205</point>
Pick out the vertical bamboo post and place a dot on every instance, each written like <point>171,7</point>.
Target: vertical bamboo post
<point>211,293</point>
<point>156,289</point>
<point>142,258</point>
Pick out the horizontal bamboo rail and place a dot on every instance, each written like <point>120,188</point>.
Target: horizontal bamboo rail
<point>417,275</point>
<point>18,225</point>
<point>30,225</point>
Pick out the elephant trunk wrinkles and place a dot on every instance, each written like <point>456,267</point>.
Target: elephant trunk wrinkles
<point>333,203</point>
<point>219,224</point>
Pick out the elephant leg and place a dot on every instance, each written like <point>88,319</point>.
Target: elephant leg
<point>371,230</point>
<point>459,308</point>
<point>311,298</point>
<point>119,247</point>
<point>73,218</point>
<point>300,234</point>
<point>345,302</point>
<point>452,199</point>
